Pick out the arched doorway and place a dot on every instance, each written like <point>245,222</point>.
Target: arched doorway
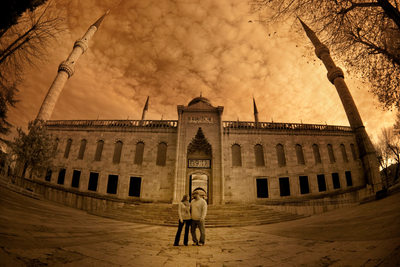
<point>199,156</point>
<point>199,182</point>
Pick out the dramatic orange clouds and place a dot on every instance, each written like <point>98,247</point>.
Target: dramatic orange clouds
<point>175,50</point>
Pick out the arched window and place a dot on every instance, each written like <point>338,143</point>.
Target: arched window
<point>344,154</point>
<point>353,151</point>
<point>300,154</point>
<point>331,154</point>
<point>139,153</point>
<point>280,152</point>
<point>236,155</point>
<point>99,150</point>
<point>259,154</point>
<point>317,155</point>
<point>161,154</point>
<point>117,152</point>
<point>67,148</point>
<point>82,149</point>
<point>55,147</point>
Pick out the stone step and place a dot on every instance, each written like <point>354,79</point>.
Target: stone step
<point>217,216</point>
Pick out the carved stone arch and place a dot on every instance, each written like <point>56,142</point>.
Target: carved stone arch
<point>199,146</point>
<point>139,141</point>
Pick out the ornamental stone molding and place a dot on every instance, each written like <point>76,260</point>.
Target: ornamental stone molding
<point>69,69</point>
<point>81,44</point>
<point>320,50</point>
<point>335,73</point>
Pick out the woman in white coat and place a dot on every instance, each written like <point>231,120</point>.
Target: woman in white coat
<point>184,219</point>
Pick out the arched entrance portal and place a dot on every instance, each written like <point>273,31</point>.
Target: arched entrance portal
<point>199,182</point>
<point>199,155</point>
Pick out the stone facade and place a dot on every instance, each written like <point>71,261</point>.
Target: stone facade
<point>200,143</point>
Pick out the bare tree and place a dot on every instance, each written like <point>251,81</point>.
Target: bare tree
<point>24,44</point>
<point>365,34</point>
<point>384,154</point>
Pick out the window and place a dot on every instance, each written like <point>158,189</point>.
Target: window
<point>139,153</point>
<point>344,154</point>
<point>300,154</point>
<point>353,151</point>
<point>321,182</point>
<point>82,149</point>
<point>55,147</point>
<point>75,178</point>
<point>99,150</point>
<point>331,155</point>
<point>61,176</point>
<point>349,181</point>
<point>317,155</point>
<point>161,154</point>
<point>93,180</point>
<point>335,180</point>
<point>284,186</point>
<point>236,155</point>
<point>304,187</point>
<point>112,184</point>
<point>134,186</point>
<point>117,152</point>
<point>67,148</point>
<point>48,175</point>
<point>262,187</point>
<point>259,155</point>
<point>280,152</point>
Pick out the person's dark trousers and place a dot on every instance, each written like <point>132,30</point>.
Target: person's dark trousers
<point>187,224</point>
<point>202,228</point>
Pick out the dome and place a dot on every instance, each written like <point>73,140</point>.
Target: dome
<point>199,99</point>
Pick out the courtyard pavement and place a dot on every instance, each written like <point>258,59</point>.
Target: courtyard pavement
<point>39,233</point>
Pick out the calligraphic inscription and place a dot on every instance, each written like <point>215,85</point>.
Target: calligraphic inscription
<point>200,119</point>
<point>199,163</point>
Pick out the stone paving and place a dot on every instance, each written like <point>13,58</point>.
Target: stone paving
<point>38,233</point>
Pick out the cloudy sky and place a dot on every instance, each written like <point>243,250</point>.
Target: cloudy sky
<point>173,50</point>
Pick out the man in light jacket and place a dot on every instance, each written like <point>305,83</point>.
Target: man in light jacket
<point>198,208</point>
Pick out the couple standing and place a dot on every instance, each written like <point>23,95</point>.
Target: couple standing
<point>192,215</point>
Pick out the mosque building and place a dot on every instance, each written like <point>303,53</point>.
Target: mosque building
<point>228,161</point>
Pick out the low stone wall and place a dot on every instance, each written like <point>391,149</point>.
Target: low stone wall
<point>69,197</point>
<point>312,206</point>
<point>95,203</point>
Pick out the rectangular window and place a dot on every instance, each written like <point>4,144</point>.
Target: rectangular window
<point>93,180</point>
<point>61,176</point>
<point>262,188</point>
<point>321,182</point>
<point>134,186</point>
<point>112,184</point>
<point>48,175</point>
<point>349,181</point>
<point>76,176</point>
<point>284,186</point>
<point>304,187</point>
<point>335,180</point>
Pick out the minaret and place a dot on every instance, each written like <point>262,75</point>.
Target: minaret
<point>336,77</point>
<point>146,107</point>
<point>255,112</point>
<point>66,70</point>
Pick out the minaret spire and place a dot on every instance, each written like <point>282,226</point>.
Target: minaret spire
<point>255,111</point>
<point>336,77</point>
<point>65,70</point>
<point>145,108</point>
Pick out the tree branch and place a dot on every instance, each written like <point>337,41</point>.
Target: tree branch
<point>355,5</point>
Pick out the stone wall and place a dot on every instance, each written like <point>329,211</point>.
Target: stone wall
<point>240,181</point>
<point>157,181</point>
